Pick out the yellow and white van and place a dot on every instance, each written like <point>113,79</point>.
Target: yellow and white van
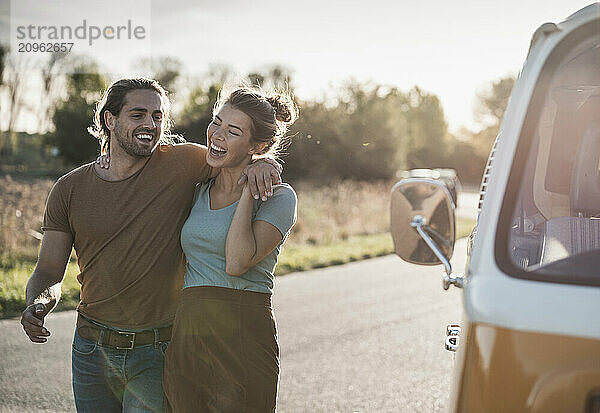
<point>529,340</point>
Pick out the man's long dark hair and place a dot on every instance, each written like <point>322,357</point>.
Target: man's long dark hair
<point>113,100</point>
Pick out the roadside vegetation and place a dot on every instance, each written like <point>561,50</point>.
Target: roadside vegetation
<point>340,223</point>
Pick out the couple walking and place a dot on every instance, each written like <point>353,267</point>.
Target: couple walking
<point>205,316</point>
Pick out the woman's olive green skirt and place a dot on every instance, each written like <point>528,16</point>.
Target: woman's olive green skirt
<point>223,356</point>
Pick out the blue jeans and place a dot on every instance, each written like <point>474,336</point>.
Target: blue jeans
<point>110,380</point>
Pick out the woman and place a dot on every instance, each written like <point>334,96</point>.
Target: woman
<point>224,356</point>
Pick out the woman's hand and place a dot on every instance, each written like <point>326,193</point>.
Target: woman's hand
<point>261,176</point>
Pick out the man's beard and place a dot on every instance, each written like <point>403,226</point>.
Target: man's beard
<point>131,148</point>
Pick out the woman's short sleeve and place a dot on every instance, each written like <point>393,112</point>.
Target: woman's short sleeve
<point>280,210</point>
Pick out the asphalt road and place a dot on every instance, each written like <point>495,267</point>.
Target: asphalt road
<point>366,337</point>
<point>361,337</point>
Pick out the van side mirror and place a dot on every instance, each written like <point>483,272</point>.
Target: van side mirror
<point>423,224</point>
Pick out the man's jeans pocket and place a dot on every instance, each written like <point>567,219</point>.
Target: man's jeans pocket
<point>82,346</point>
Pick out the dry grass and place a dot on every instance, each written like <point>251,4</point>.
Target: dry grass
<point>21,213</point>
<point>339,211</point>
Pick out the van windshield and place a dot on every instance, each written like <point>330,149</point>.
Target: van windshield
<point>555,221</point>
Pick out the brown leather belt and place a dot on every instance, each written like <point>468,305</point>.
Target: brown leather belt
<point>122,340</point>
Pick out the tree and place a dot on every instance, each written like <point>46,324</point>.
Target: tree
<point>3,50</point>
<point>217,74</point>
<point>489,111</point>
<point>492,102</point>
<point>466,159</point>
<point>13,81</point>
<point>197,113</point>
<point>427,130</point>
<point>166,70</point>
<point>276,77</point>
<point>317,150</point>
<point>374,130</point>
<point>49,93</point>
<point>470,150</point>
<point>75,113</point>
<point>191,122</point>
<point>365,136</point>
<point>255,78</point>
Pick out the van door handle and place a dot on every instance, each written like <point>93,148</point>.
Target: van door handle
<point>452,343</point>
<point>452,333</point>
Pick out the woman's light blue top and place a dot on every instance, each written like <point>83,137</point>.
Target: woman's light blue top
<point>204,234</point>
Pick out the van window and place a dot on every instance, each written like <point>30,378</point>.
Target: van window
<point>550,220</point>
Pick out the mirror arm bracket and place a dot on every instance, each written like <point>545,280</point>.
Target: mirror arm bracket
<point>418,222</point>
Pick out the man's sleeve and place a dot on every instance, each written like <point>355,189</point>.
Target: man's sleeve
<point>196,153</point>
<point>280,210</point>
<point>56,214</point>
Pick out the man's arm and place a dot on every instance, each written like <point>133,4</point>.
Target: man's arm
<point>43,288</point>
<point>261,175</point>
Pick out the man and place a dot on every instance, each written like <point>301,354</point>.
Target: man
<point>124,223</point>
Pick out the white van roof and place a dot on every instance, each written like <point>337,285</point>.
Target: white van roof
<point>586,11</point>
<point>574,20</point>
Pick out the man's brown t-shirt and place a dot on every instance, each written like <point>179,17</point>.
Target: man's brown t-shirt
<point>126,235</point>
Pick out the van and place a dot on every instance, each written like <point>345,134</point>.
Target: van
<point>529,339</point>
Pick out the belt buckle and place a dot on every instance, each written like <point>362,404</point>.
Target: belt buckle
<point>131,341</point>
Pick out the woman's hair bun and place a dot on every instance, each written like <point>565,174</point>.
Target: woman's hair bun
<point>285,109</point>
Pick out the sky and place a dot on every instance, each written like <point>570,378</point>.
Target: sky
<point>453,49</point>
